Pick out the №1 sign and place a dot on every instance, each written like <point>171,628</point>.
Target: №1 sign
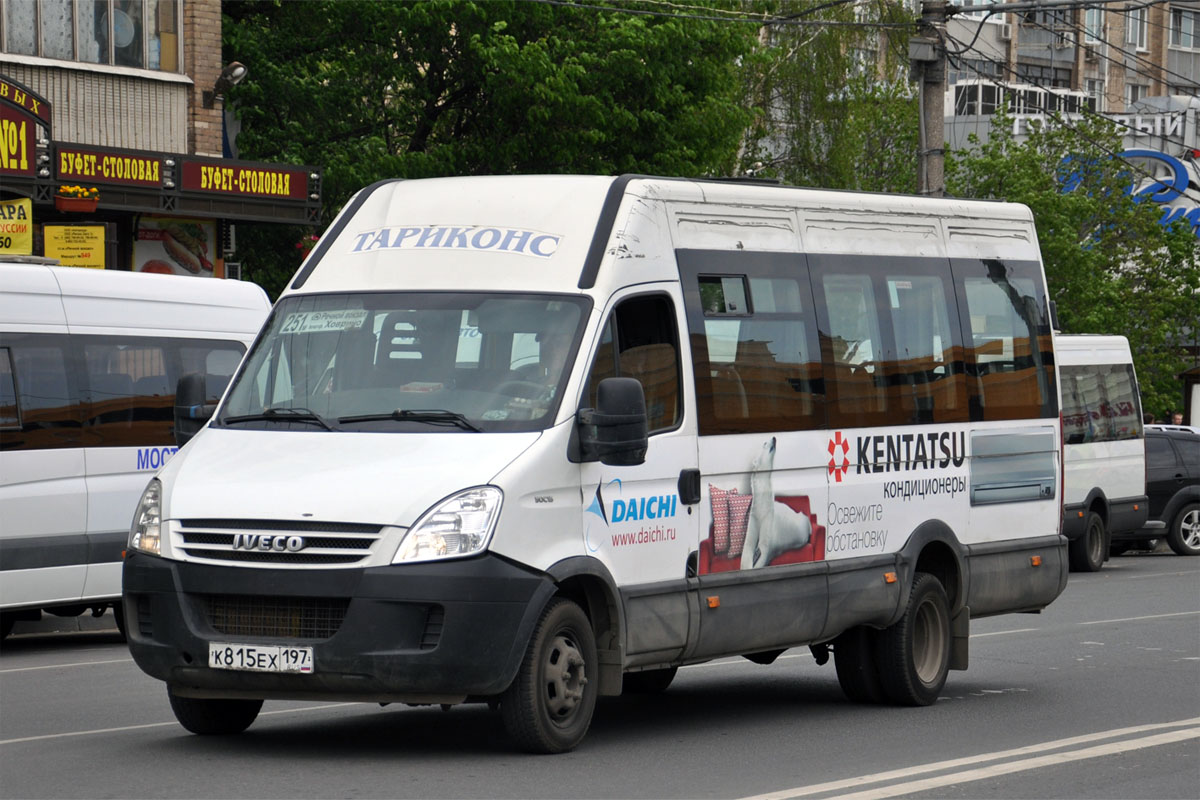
<point>76,245</point>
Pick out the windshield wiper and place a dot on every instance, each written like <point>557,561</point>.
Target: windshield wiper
<point>436,416</point>
<point>282,415</point>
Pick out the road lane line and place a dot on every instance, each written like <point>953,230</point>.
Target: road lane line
<point>63,666</point>
<point>1055,759</point>
<point>1138,619</point>
<point>908,772</point>
<point>69,734</point>
<point>1004,633</point>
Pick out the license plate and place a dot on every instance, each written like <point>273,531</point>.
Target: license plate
<point>260,658</point>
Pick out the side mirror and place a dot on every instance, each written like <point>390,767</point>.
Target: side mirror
<point>191,412</point>
<point>615,431</point>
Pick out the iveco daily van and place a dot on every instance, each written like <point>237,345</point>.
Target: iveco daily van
<point>535,440</point>
<point>88,365</point>
<point>1104,450</point>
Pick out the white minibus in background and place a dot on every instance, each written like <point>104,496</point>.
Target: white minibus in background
<point>760,417</point>
<point>1104,450</point>
<point>88,365</point>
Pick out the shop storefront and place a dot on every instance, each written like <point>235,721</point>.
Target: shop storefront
<point>108,208</point>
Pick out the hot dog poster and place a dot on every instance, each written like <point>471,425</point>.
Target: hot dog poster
<point>175,246</point>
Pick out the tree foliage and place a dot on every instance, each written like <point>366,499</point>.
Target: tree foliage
<point>374,90</point>
<point>822,117</point>
<point>1110,265</point>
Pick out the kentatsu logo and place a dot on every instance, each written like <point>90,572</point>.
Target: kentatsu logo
<point>439,237</point>
<point>277,544</point>
<point>911,451</point>
<point>839,456</point>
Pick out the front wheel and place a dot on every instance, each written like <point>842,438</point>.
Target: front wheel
<point>1184,537</point>
<point>549,705</point>
<point>213,717</point>
<point>1086,554</point>
<point>914,654</point>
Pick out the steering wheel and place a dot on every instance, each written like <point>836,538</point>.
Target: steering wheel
<point>527,390</point>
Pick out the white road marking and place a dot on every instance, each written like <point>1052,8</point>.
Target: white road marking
<point>64,666</point>
<point>998,769</point>
<point>160,724</point>
<point>1138,619</point>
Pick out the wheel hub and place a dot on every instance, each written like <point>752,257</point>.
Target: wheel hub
<point>566,676</point>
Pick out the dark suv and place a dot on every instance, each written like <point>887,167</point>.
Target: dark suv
<point>1173,487</point>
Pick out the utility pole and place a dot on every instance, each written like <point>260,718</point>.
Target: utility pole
<point>927,53</point>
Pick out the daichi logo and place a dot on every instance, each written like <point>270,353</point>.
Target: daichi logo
<point>838,470</point>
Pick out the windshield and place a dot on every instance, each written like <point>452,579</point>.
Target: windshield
<point>409,361</point>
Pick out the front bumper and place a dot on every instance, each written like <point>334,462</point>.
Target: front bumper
<point>431,632</point>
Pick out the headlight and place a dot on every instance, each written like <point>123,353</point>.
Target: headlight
<point>459,526</point>
<point>145,535</point>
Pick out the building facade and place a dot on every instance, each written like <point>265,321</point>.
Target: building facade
<point>124,99</point>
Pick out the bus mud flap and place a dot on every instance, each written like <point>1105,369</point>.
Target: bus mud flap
<point>960,634</point>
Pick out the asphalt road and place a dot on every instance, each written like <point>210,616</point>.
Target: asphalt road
<point>1094,698</point>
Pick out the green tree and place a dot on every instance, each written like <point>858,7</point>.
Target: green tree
<point>1110,265</point>
<point>374,90</point>
<point>832,102</point>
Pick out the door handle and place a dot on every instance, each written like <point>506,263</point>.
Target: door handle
<point>689,486</point>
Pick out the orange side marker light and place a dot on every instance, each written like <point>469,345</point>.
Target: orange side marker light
<point>714,601</point>
<point>1035,561</point>
<point>889,577</point>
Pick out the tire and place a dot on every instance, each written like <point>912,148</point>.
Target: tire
<point>549,705</point>
<point>1086,554</point>
<point>650,681</point>
<point>119,617</point>
<point>914,654</point>
<point>1184,537</point>
<point>854,656</point>
<point>213,717</point>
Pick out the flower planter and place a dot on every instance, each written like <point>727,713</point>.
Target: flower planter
<point>77,205</point>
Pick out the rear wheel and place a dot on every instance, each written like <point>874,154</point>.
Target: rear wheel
<point>1184,537</point>
<point>1086,553</point>
<point>213,717</point>
<point>549,705</point>
<point>914,654</point>
<point>857,667</point>
<point>650,681</point>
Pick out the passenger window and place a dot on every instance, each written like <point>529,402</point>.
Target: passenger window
<point>49,412</point>
<point>753,337</point>
<point>639,341</point>
<point>1159,453</point>
<point>1099,404</point>
<point>858,389</point>
<point>927,373</point>
<point>10,417</point>
<point>1008,334</point>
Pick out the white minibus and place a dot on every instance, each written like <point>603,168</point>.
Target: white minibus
<point>88,364</point>
<point>1104,450</point>
<point>536,440</point>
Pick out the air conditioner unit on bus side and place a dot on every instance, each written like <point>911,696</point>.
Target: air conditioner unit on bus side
<point>1005,33</point>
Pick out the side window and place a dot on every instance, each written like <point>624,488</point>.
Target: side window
<point>639,341</point>
<point>10,413</point>
<point>927,373</point>
<point>215,359</point>
<point>854,347</point>
<point>753,334</point>
<point>1099,404</point>
<point>127,394</point>
<point>1007,331</point>
<point>49,416</point>
<point>1159,453</point>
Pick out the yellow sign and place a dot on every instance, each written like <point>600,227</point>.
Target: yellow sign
<point>16,227</point>
<point>76,245</point>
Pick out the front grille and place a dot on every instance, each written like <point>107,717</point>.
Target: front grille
<point>284,617</point>
<point>278,542</point>
<point>434,622</point>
